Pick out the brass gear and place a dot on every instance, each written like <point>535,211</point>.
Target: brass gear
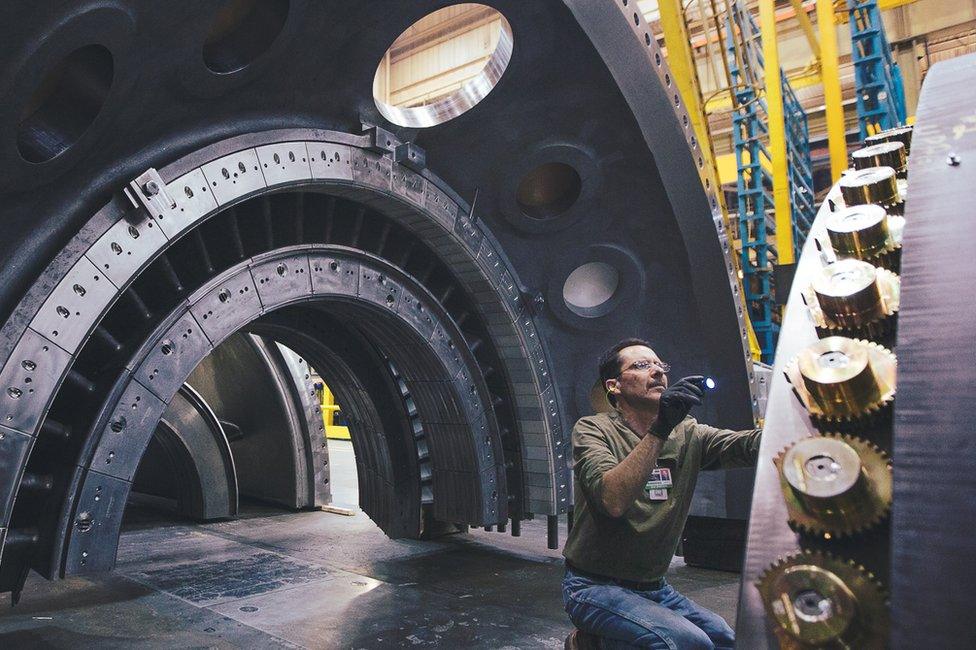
<point>846,384</point>
<point>854,299</point>
<point>883,154</point>
<point>902,134</point>
<point>816,600</point>
<point>878,185</point>
<point>867,233</point>
<point>835,485</point>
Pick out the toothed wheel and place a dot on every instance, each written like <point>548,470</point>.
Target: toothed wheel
<point>846,384</point>
<point>902,134</point>
<point>854,299</point>
<point>815,600</point>
<point>883,154</point>
<point>878,185</point>
<point>835,485</point>
<point>867,233</point>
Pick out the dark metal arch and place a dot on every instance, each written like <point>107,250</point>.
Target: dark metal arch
<point>415,201</point>
<point>587,55</point>
<point>440,372</point>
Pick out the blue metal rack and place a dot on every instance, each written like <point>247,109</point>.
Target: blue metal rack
<point>877,78</point>
<point>803,209</point>
<point>754,185</point>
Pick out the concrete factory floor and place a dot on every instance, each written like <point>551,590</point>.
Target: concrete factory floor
<point>317,580</point>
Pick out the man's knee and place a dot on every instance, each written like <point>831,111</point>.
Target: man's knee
<point>684,637</point>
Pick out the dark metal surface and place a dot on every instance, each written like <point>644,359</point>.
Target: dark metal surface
<point>190,461</point>
<point>769,536</point>
<point>267,394</point>
<point>933,575</point>
<point>578,91</point>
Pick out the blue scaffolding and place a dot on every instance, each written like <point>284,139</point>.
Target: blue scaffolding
<point>877,78</point>
<point>754,185</point>
<point>803,208</point>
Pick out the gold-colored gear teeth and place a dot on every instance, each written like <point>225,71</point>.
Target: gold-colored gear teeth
<point>878,185</point>
<point>815,599</point>
<point>846,384</point>
<point>902,134</point>
<point>835,485</point>
<point>888,259</point>
<point>883,154</point>
<point>882,332</point>
<point>876,418</point>
<point>854,299</point>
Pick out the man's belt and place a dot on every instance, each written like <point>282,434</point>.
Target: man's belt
<point>652,585</point>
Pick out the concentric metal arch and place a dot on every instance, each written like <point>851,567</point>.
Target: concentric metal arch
<point>66,305</point>
<point>401,318</point>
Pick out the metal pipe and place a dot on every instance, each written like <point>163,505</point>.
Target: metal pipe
<point>552,524</point>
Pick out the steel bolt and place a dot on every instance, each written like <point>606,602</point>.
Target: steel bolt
<point>150,188</point>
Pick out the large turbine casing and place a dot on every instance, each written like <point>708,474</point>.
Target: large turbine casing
<point>507,367</point>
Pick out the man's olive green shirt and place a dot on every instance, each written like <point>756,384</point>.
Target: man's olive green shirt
<point>639,545</point>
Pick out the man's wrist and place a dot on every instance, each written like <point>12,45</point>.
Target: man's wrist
<point>655,430</point>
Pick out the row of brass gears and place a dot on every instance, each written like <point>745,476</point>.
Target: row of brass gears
<point>846,385</point>
<point>821,601</point>
<point>854,299</point>
<point>839,484</point>
<point>835,485</point>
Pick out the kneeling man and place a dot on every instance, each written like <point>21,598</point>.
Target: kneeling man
<point>635,470</point>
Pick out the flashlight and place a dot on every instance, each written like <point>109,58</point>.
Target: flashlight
<point>706,383</point>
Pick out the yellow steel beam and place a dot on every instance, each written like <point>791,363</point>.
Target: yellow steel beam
<point>833,102</point>
<point>681,60</point>
<point>804,20</point>
<point>777,131</point>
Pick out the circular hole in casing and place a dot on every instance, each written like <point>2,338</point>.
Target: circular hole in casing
<point>548,190</point>
<point>65,103</point>
<point>241,31</point>
<point>465,47</point>
<point>590,287</point>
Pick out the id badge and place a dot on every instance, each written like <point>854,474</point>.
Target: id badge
<point>658,484</point>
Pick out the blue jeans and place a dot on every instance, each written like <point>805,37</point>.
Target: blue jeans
<point>625,618</point>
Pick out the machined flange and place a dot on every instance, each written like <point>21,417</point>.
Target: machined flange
<point>835,485</point>
<point>817,600</point>
<point>878,185</point>
<point>868,233</point>
<point>845,384</point>
<point>902,134</point>
<point>884,154</point>
<point>854,299</point>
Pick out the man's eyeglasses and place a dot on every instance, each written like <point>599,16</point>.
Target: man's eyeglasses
<point>644,364</point>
